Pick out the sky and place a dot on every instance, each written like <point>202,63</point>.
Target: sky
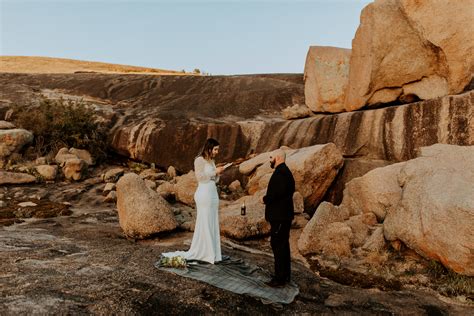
<point>218,37</point>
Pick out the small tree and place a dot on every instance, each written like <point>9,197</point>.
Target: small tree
<point>197,71</point>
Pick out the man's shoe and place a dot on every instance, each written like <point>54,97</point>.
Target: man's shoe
<point>275,283</point>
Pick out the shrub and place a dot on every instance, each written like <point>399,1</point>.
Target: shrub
<point>63,123</point>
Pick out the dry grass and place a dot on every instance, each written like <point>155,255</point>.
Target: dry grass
<point>33,64</point>
<point>377,259</point>
<point>449,282</point>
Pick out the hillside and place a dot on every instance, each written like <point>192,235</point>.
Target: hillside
<point>50,65</point>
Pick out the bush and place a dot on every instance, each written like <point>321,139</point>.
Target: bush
<point>63,123</point>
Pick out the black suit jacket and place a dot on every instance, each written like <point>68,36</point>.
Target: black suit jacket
<point>279,198</point>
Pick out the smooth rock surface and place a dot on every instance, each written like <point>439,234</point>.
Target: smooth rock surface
<point>326,74</point>
<point>7,177</point>
<point>401,53</point>
<point>142,212</point>
<point>436,213</point>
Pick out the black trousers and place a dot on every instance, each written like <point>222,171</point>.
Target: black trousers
<point>280,242</point>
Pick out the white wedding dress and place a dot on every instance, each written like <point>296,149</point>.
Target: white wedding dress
<point>206,243</point>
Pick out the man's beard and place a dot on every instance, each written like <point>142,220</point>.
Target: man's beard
<point>272,164</point>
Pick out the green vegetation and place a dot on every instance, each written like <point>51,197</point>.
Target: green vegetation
<point>137,166</point>
<point>63,123</point>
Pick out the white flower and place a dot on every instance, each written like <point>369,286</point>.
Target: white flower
<point>173,262</point>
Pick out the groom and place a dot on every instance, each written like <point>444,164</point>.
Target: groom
<point>279,212</point>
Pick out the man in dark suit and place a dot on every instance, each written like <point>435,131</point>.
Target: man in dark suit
<point>279,211</point>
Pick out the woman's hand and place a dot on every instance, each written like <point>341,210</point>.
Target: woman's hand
<point>219,170</point>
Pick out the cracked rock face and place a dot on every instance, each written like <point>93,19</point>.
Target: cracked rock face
<point>401,53</point>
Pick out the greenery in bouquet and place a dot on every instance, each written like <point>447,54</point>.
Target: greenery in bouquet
<point>173,262</point>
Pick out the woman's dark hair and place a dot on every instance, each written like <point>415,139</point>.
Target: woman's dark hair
<point>207,148</point>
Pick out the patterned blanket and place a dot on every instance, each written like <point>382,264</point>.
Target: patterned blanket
<point>235,275</point>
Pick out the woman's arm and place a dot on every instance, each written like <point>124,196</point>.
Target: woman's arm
<point>199,169</point>
<point>204,174</point>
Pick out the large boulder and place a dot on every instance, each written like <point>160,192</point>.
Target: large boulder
<point>185,188</point>
<point>142,212</point>
<point>13,140</point>
<point>314,168</point>
<point>249,166</point>
<point>352,168</point>
<point>15,178</point>
<point>332,232</point>
<point>253,224</point>
<point>311,239</point>
<point>334,241</point>
<point>436,213</point>
<point>450,32</point>
<point>375,192</point>
<point>366,200</point>
<point>326,74</point>
<point>400,52</point>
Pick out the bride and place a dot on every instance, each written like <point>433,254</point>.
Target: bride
<point>206,244</point>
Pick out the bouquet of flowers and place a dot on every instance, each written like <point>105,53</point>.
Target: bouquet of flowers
<point>177,262</point>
